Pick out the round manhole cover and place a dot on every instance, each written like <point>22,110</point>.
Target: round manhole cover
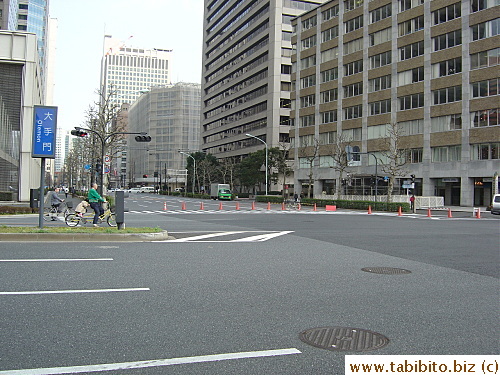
<point>344,339</point>
<point>386,270</point>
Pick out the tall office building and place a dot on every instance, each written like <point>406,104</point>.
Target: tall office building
<point>171,116</point>
<point>432,67</point>
<point>247,69</point>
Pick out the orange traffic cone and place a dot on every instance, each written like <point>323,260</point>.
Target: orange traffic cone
<point>202,206</point>
<point>478,213</point>
<point>268,205</point>
<point>220,206</point>
<point>429,212</point>
<point>164,206</point>
<point>253,205</point>
<point>183,207</point>
<point>449,212</point>
<point>399,211</point>
<point>282,206</point>
<point>237,206</point>
<point>299,206</point>
<point>315,208</point>
<point>369,210</point>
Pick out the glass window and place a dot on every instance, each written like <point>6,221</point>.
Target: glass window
<point>411,101</point>
<point>353,68</point>
<point>329,75</point>
<point>353,90</point>
<point>486,29</point>
<point>448,67</point>
<point>379,83</point>
<point>329,95</point>
<point>446,123</point>
<point>353,46</point>
<point>330,13</point>
<point>487,117</point>
<point>411,26</point>
<point>329,54</point>
<point>448,40</point>
<point>309,23</point>
<point>485,88</point>
<point>308,81</point>
<point>329,34</point>
<point>380,107</point>
<point>381,59</point>
<point>381,36</point>
<point>411,76</point>
<point>353,24</point>
<point>411,50</point>
<point>328,116</point>
<point>485,58</point>
<point>352,4</point>
<point>381,13</point>
<point>447,13</point>
<point>353,112</point>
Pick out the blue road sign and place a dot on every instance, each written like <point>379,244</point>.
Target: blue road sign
<point>44,132</point>
<point>87,166</point>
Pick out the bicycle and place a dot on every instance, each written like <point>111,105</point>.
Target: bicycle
<point>54,212</point>
<point>73,220</point>
<point>292,205</point>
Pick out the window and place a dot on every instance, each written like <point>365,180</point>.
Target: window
<point>307,101</point>
<point>329,54</point>
<point>414,155</point>
<point>285,35</point>
<point>353,90</point>
<point>384,58</point>
<point>352,4</point>
<point>308,120</point>
<point>381,36</point>
<point>329,34</point>
<point>308,81</point>
<point>286,69</point>
<point>383,106</point>
<point>309,23</point>
<point>327,138</point>
<point>308,42</point>
<point>350,135</point>
<point>447,95</point>
<point>329,75</point>
<point>411,127</point>
<point>485,88</point>
<point>477,5</point>
<point>378,131</point>
<point>330,13</point>
<point>486,29</point>
<point>446,154</point>
<point>486,117</point>
<point>448,40</point>
<point>447,13</point>
<point>381,13</point>
<point>485,151</point>
<point>485,58</point>
<point>353,112</point>
<point>411,50</point>
<point>307,62</point>
<point>408,4</point>
<point>411,76</point>
<point>411,101</point>
<point>306,140</point>
<point>353,46</point>
<point>379,83</point>
<point>353,24</point>
<point>446,123</point>
<point>328,116</point>
<point>23,6</point>
<point>411,26</point>
<point>446,68</point>
<point>329,95</point>
<point>353,68</point>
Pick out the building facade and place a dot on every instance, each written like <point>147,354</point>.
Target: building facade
<point>246,78</point>
<point>171,116</point>
<point>427,68</point>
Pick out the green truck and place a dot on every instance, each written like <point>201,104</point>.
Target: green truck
<point>221,192</point>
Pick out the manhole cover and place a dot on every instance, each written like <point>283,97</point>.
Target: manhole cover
<point>344,339</point>
<point>386,270</point>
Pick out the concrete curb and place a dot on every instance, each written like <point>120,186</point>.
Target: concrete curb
<point>85,237</point>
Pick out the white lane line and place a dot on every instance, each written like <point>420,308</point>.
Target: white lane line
<point>56,260</point>
<point>75,291</point>
<point>262,237</point>
<point>203,236</point>
<point>153,363</point>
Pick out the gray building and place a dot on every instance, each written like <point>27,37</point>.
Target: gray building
<point>171,116</point>
<point>432,67</point>
<point>246,78</point>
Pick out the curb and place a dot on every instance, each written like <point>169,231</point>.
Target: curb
<point>85,237</point>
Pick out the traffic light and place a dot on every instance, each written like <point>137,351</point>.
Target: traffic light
<point>412,178</point>
<point>79,133</point>
<point>372,180</point>
<point>143,138</point>
<point>98,167</point>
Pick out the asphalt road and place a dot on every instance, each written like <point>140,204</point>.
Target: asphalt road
<point>235,283</point>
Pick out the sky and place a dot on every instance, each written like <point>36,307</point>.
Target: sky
<point>164,24</point>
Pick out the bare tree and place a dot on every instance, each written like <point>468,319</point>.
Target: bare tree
<point>395,155</point>
<point>279,158</point>
<point>310,152</point>
<point>227,170</point>
<point>341,156</point>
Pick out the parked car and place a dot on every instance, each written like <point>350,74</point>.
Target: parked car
<point>134,190</point>
<point>147,189</point>
<point>179,190</point>
<point>495,204</point>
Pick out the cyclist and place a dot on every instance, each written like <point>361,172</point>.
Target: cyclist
<point>55,201</point>
<point>95,201</point>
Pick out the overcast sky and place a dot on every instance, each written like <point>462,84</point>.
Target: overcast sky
<point>165,24</point>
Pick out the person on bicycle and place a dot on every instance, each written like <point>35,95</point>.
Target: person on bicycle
<point>95,202</point>
<point>55,201</point>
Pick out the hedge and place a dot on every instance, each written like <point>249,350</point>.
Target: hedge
<point>355,205</point>
<point>11,210</point>
<point>6,196</point>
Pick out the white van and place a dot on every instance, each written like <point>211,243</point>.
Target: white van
<point>147,189</point>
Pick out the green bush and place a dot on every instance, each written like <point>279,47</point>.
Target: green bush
<point>5,196</point>
<point>243,195</point>
<point>16,210</point>
<point>358,205</point>
<point>269,198</point>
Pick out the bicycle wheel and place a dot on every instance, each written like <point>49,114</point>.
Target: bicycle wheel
<point>48,213</point>
<point>72,220</point>
<point>111,220</point>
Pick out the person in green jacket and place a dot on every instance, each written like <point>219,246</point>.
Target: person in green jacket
<point>95,202</point>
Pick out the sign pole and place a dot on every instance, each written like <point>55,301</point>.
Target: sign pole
<point>41,199</point>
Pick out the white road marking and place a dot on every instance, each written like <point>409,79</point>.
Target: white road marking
<point>262,237</point>
<point>55,260</point>
<point>153,363</point>
<point>203,236</point>
<point>256,238</point>
<point>75,291</point>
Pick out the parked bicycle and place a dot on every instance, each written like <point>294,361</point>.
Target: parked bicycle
<point>55,212</point>
<point>73,220</point>
<point>291,204</point>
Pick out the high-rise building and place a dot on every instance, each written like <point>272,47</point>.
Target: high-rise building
<point>171,116</point>
<point>247,70</point>
<point>431,67</point>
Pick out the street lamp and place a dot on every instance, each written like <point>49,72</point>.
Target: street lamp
<point>253,136</point>
<point>194,166</point>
